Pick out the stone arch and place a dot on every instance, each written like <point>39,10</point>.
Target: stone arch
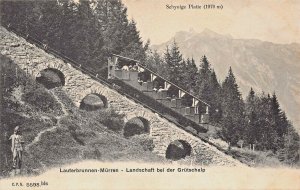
<point>80,94</point>
<point>51,78</point>
<point>93,101</point>
<point>131,115</point>
<point>136,126</point>
<point>178,149</point>
<point>62,67</point>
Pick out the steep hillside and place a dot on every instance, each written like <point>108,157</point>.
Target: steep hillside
<point>56,132</point>
<point>265,66</point>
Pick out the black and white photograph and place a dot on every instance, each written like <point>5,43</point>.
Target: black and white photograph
<point>149,94</point>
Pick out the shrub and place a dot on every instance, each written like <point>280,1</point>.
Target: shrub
<point>144,140</point>
<point>111,119</point>
<point>41,100</point>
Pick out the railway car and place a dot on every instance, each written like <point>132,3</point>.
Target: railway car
<point>138,76</point>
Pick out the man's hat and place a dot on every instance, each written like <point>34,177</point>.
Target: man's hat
<point>17,128</point>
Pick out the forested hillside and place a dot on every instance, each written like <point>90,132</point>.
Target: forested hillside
<point>257,122</point>
<point>89,31</point>
<point>262,65</point>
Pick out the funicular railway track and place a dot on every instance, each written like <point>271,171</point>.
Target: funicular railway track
<point>128,91</point>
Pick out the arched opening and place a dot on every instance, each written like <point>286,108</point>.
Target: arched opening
<point>178,149</point>
<point>93,102</point>
<point>51,78</point>
<point>136,126</point>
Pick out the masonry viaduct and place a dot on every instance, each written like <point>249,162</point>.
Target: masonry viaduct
<point>78,85</point>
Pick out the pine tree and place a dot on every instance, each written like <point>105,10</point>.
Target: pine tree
<point>87,32</point>
<point>134,47</point>
<point>291,148</point>
<point>154,61</point>
<point>278,116</point>
<point>205,68</point>
<point>119,35</point>
<point>214,100</point>
<point>232,110</point>
<point>174,63</point>
<point>232,101</point>
<point>190,75</point>
<point>12,12</point>
<point>251,117</point>
<point>87,39</point>
<point>112,16</point>
<point>203,79</point>
<point>267,136</point>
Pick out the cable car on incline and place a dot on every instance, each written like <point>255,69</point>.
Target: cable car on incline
<point>136,75</point>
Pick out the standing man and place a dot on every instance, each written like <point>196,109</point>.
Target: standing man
<point>17,148</point>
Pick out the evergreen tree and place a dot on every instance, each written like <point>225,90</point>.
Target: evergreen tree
<point>88,39</point>
<point>232,101</point>
<point>174,63</point>
<point>87,32</point>
<point>267,136</point>
<point>251,111</point>
<point>214,100</point>
<point>154,61</point>
<point>203,79</point>
<point>190,75</point>
<point>205,68</point>
<point>232,110</point>
<point>112,16</point>
<point>134,46</point>
<point>291,148</point>
<point>251,102</point>
<point>278,116</point>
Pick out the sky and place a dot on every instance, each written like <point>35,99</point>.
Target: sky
<point>276,21</point>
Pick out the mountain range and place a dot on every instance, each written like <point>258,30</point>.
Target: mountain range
<point>264,66</point>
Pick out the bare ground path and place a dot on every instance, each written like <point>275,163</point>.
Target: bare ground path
<point>53,128</point>
<point>17,94</point>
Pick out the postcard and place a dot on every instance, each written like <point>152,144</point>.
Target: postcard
<point>149,94</point>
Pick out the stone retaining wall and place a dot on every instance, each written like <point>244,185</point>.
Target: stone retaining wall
<point>78,85</point>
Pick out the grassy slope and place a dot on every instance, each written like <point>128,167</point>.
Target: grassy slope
<point>251,158</point>
<point>256,158</point>
<point>56,132</point>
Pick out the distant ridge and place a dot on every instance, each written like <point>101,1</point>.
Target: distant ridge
<point>265,66</point>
